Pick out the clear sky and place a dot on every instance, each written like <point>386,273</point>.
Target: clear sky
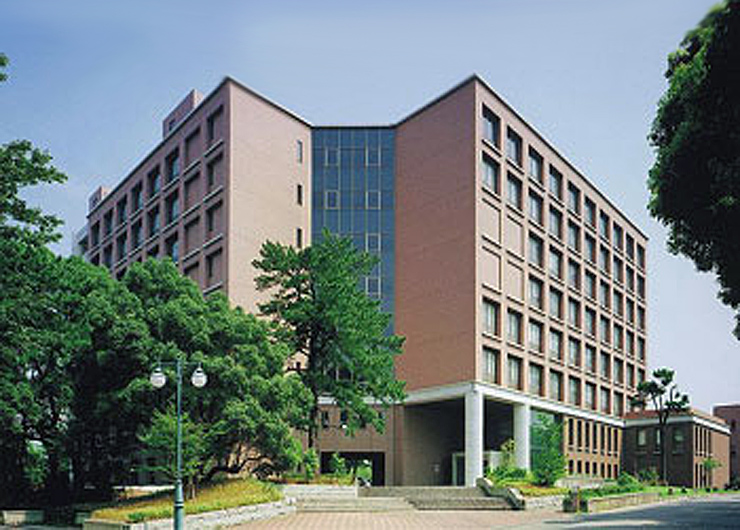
<point>91,81</point>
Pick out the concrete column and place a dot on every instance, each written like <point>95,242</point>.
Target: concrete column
<point>522,413</point>
<point>473,436</point>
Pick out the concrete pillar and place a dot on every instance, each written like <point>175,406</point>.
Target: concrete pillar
<point>473,436</point>
<point>522,414</point>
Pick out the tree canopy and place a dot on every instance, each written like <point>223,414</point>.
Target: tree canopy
<point>695,180</point>
<point>339,336</point>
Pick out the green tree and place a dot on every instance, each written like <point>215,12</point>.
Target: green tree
<point>695,180</point>
<point>548,460</point>
<point>337,333</point>
<point>663,394</point>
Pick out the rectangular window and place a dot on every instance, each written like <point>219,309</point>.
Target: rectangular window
<point>589,317</point>
<point>331,200</point>
<point>214,125</point>
<point>173,248</point>
<point>137,199</point>
<point>108,222</point>
<point>299,238</point>
<point>641,438</point>
<point>215,173</point>
<point>556,223</point>
<point>213,220</point>
<point>604,259</point>
<point>192,191</point>
<point>491,365</point>
<point>630,277</point>
<point>556,345</point>
<point>514,333</point>
<point>604,225</point>
<point>618,234</point>
<point>630,343</point>
<point>630,246</point>
<point>536,251</point>
<point>514,191</point>
<point>535,165</point>
<point>372,200</point>
<point>556,183</point>
<point>121,247</point>
<point>604,333</point>
<point>535,208</point>
<point>491,174</point>
<point>490,317</point>
<point>617,269</point>
<point>574,313</point>
<point>556,303</point>
<point>574,391</point>
<point>574,199</point>
<point>619,371</point>
<point>154,182</point>
<point>514,378</point>
<point>556,263</point>
<point>121,211</point>
<point>136,238</point>
<point>536,298</point>
<point>640,286</point>
<point>514,146</point>
<point>574,275</point>
<point>617,300</point>
<point>192,234</point>
<point>605,400</point>
<point>574,237</point>
<point>535,379</point>
<point>192,147</point>
<point>589,280</point>
<point>590,401</point>
<point>590,209</point>
<point>172,206</point>
<point>299,194</point>
<point>153,219</point>
<point>372,243</point>
<point>640,318</point>
<point>535,340</point>
<point>299,151</point>
<point>172,165</point>
<point>590,359</point>
<point>556,385</point>
<point>574,352</point>
<point>641,348</point>
<point>491,127</point>
<point>590,243</point>
<point>605,366</point>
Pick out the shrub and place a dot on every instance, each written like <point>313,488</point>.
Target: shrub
<point>648,476</point>
<point>310,463</point>
<point>628,481</point>
<point>548,462</point>
<point>337,464</point>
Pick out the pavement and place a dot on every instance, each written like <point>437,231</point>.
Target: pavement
<point>711,512</point>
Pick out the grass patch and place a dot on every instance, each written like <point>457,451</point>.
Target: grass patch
<point>219,496</point>
<point>323,479</point>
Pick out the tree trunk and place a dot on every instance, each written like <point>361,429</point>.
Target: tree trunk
<point>663,456</point>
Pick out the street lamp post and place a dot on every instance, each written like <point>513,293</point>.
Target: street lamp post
<point>158,380</point>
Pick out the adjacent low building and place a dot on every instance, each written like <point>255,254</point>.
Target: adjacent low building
<point>692,439</point>
<point>731,414</point>
<point>519,286</point>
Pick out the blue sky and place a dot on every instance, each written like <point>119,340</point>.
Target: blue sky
<point>91,80</point>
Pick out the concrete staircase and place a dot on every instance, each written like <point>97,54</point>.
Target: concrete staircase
<point>440,497</point>
<point>342,499</point>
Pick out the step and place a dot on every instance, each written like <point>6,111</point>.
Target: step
<point>377,504</point>
<point>426,492</point>
<point>301,491</point>
<point>461,503</point>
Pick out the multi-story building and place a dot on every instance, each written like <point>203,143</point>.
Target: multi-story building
<point>731,414</point>
<point>520,288</point>
<point>692,438</point>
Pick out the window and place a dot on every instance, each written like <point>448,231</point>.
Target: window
<point>618,234</point>
<point>372,286</point>
<point>642,438</point>
<point>536,251</point>
<point>590,358</point>
<point>490,317</point>
<point>556,263</point>
<point>604,295</point>
<point>604,259</point>
<point>589,317</point>
<point>556,385</point>
<point>108,222</point>
<point>590,244</point>
<point>604,225</point>
<point>192,147</point>
<point>556,345</point>
<point>121,247</point>
<point>491,127</point>
<point>214,125</point>
<point>491,364</point>
<point>137,200</point>
<point>604,331</point>
<point>574,275</point>
<point>630,277</point>
<point>556,223</point>
<point>535,339</point>
<point>574,313</point>
<point>630,305</point>
<point>172,165</point>
<point>172,206</point>
<point>590,282</point>
<point>641,348</point>
<point>95,234</point>
<point>153,219</point>
<point>556,183</point>
<point>192,233</point>
<point>299,151</point>
<point>619,371</point>
<point>574,391</point>
<point>331,156</point>
<point>121,211</point>
<point>574,237</point>
<point>630,342</point>
<point>574,199</point>
<point>605,400</point>
<point>535,379</point>
<point>556,303</point>
<point>136,238</point>
<point>590,209</point>
<point>574,352</point>
<point>299,194</point>
<point>154,182</point>
<point>630,246</point>
<point>617,269</point>
<point>331,201</point>
<point>605,365</point>
<point>173,248</point>
<point>640,286</point>
<point>514,371</point>
<point>215,173</point>
<point>640,318</point>
<point>590,400</point>
<point>535,208</point>
<point>514,191</point>
<point>372,200</point>
<point>618,303</point>
<point>299,238</point>
<point>631,376</point>
<point>514,332</point>
<point>514,146</point>
<point>536,298</point>
<point>372,243</point>
<point>535,165</point>
<point>491,172</point>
